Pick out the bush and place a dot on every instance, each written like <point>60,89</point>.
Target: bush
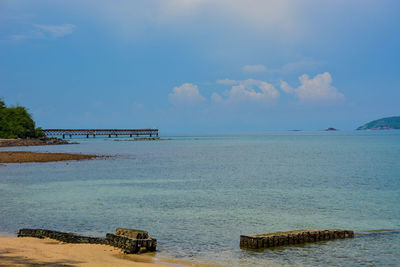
<point>16,122</point>
<point>39,132</point>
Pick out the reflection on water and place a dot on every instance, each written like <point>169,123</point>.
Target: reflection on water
<point>197,194</point>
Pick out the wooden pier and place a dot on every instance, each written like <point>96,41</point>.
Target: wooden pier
<point>106,132</point>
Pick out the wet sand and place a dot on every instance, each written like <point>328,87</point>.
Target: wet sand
<point>26,156</point>
<point>27,251</point>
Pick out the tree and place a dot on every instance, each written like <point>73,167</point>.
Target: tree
<point>16,122</point>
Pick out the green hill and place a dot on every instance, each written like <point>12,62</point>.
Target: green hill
<point>389,123</point>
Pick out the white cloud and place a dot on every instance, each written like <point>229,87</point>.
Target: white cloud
<point>316,89</point>
<point>43,32</point>
<point>286,87</point>
<point>254,68</point>
<point>186,94</point>
<point>55,31</point>
<point>248,90</point>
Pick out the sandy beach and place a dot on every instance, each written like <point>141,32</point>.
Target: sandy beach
<point>27,251</point>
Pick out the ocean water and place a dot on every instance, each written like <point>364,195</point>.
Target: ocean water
<point>198,193</point>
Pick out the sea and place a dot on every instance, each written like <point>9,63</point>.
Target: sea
<point>197,193</point>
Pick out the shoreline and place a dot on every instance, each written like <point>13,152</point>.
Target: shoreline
<point>34,251</point>
<point>27,156</point>
<point>44,141</point>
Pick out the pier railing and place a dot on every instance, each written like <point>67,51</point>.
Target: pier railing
<point>107,132</point>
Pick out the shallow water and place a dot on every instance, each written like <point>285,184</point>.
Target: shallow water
<point>197,193</point>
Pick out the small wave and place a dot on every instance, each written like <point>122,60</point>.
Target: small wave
<point>377,231</point>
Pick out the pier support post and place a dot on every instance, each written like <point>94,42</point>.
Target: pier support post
<point>130,135</point>
<point>63,136</point>
<point>87,136</point>
<point>109,136</point>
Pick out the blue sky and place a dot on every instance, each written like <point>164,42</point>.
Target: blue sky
<point>201,65</point>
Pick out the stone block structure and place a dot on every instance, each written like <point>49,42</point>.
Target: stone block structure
<point>132,233</point>
<point>131,241</point>
<point>266,240</point>
<point>60,236</point>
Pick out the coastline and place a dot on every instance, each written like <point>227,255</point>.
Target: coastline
<point>45,141</point>
<point>33,251</point>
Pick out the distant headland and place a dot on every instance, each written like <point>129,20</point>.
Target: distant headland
<point>389,123</point>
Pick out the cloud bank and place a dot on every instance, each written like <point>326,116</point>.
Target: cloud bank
<point>311,90</point>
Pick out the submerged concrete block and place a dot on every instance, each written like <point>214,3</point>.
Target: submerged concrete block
<point>257,241</point>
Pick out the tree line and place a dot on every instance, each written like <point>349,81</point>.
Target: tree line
<point>16,122</point>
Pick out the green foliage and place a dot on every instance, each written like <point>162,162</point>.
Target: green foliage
<point>16,122</point>
<point>39,132</point>
<point>382,124</point>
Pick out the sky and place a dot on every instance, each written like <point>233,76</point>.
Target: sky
<point>201,65</point>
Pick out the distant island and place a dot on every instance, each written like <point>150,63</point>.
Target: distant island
<point>390,123</point>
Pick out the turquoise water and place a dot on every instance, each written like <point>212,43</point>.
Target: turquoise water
<point>197,193</point>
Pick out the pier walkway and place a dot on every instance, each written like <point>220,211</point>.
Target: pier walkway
<point>94,132</point>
